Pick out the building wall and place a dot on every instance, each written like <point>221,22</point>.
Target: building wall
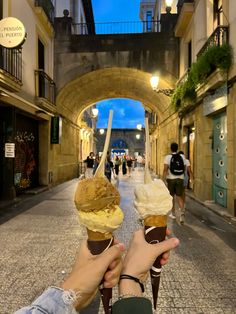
<point>128,135</point>
<point>203,124</point>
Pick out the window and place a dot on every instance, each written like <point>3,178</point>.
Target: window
<point>217,13</point>
<point>189,54</point>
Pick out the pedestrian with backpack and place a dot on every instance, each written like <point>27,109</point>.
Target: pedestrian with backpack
<point>173,175</point>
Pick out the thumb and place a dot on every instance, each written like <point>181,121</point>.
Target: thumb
<point>108,256</point>
<point>166,245</point>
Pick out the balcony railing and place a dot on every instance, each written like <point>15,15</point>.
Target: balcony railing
<point>48,8</point>
<point>45,86</point>
<point>219,37</point>
<point>11,62</point>
<point>117,28</point>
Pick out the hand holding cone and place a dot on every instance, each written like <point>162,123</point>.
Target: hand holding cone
<point>153,202</point>
<point>97,202</point>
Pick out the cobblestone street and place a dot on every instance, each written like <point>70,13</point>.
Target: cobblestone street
<point>38,247</point>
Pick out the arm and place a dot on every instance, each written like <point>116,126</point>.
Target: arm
<point>138,261</point>
<point>77,291</point>
<point>165,171</point>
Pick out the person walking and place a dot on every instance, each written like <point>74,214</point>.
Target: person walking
<point>139,162</point>
<point>117,163</point>
<point>89,165</point>
<point>188,175</point>
<point>124,169</point>
<point>129,165</point>
<point>173,174</point>
<point>96,163</point>
<point>109,168</point>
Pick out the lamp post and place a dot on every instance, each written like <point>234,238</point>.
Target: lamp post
<point>154,81</point>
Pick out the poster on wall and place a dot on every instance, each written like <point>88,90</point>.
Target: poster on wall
<point>10,150</point>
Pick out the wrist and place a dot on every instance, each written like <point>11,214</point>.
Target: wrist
<point>129,288</point>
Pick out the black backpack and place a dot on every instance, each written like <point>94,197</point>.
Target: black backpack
<point>176,165</point>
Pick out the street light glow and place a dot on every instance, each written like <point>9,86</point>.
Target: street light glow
<point>137,136</point>
<point>154,81</point>
<point>139,126</point>
<point>94,112</point>
<point>101,131</point>
<point>169,3</point>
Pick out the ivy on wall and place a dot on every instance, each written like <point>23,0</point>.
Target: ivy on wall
<point>215,57</point>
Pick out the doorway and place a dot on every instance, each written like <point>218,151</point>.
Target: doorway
<point>219,155</point>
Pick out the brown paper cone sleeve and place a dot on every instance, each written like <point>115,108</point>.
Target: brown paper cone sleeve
<point>155,231</point>
<point>97,243</point>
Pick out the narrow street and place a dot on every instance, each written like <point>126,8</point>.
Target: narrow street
<point>38,247</point>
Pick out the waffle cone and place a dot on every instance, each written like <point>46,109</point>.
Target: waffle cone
<point>156,221</point>
<point>98,236</point>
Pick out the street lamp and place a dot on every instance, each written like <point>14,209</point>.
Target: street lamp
<point>101,131</point>
<point>137,136</point>
<point>94,112</point>
<point>154,81</point>
<point>139,127</point>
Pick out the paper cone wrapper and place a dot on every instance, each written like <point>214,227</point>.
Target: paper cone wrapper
<point>97,243</point>
<point>155,231</point>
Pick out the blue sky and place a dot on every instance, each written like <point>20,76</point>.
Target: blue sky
<point>127,113</point>
<point>116,10</point>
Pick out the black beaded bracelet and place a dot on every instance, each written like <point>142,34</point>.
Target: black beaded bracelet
<point>124,276</point>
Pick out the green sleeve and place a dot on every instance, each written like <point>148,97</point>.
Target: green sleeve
<point>132,305</point>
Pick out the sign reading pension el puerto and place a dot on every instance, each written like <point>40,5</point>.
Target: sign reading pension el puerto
<point>12,32</point>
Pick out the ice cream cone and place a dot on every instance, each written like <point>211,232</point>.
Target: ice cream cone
<point>155,231</point>
<point>97,201</point>
<point>97,243</point>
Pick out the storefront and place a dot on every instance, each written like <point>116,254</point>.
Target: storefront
<point>19,170</point>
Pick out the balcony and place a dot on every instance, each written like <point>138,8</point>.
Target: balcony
<point>11,68</point>
<point>45,91</point>
<point>219,37</point>
<point>45,12</point>
<point>186,10</point>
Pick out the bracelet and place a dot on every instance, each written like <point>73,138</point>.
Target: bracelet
<point>129,295</point>
<point>125,276</point>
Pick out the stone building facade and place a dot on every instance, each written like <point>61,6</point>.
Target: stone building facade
<point>205,127</point>
<point>123,141</point>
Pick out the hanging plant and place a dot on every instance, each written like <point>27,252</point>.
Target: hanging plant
<point>216,57</point>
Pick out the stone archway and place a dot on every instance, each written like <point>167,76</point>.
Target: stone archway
<point>90,88</point>
<point>102,84</point>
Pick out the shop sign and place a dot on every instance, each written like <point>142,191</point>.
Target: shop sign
<point>12,32</point>
<point>56,129</point>
<point>213,103</point>
<point>10,150</point>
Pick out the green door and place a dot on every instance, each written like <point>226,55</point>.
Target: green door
<point>220,159</point>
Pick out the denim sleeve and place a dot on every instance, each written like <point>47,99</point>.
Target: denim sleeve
<point>49,302</point>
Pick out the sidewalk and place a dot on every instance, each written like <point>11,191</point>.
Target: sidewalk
<point>217,209</point>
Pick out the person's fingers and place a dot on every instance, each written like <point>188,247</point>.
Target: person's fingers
<point>114,273</point>
<point>165,256</point>
<point>108,256</point>
<point>168,232</point>
<point>165,246</point>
